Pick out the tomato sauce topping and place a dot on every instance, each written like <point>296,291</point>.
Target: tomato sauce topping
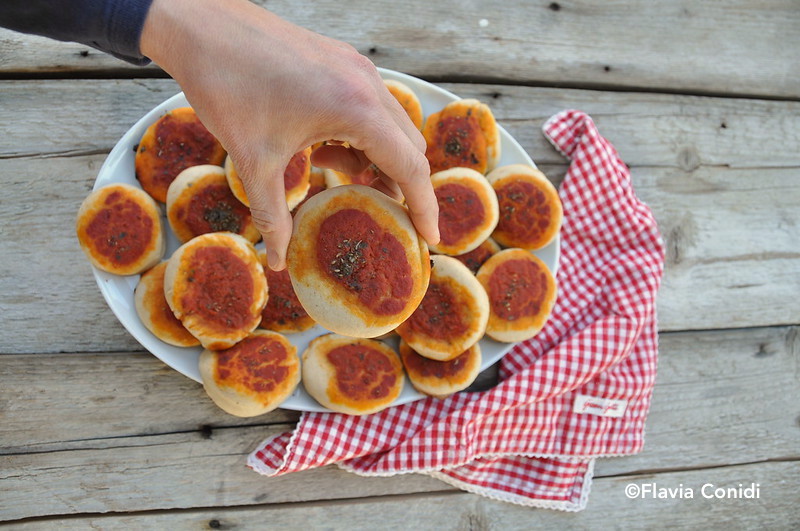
<point>256,363</point>
<point>295,170</point>
<point>438,315</point>
<point>282,305</point>
<point>180,144</point>
<point>457,141</point>
<point>460,211</point>
<point>524,211</point>
<point>122,230</point>
<point>362,373</point>
<point>219,287</point>
<point>214,208</point>
<point>354,251</point>
<point>428,368</point>
<point>476,257</point>
<point>517,289</point>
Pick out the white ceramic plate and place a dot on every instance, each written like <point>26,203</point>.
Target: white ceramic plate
<point>118,291</point>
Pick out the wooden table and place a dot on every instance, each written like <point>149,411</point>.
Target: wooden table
<point>701,99</point>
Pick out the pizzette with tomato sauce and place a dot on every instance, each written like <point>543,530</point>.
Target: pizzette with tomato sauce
<point>357,264</point>
<point>173,143</point>
<point>463,134</point>
<point>350,375</point>
<point>119,229</point>
<point>283,312</point>
<point>200,201</point>
<point>522,292</point>
<point>296,179</point>
<point>154,312</point>
<point>441,378</point>
<point>530,209</point>
<point>252,377</point>
<point>216,286</point>
<point>408,100</point>
<point>467,210</point>
<point>453,314</point>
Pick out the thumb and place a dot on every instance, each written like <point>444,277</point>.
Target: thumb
<point>264,183</point>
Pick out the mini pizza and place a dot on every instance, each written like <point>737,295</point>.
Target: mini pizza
<point>357,264</point>
<point>467,210</point>
<point>173,143</point>
<point>453,314</point>
<point>441,378</point>
<point>200,201</point>
<point>530,209</point>
<point>216,286</point>
<point>252,377</point>
<point>463,134</point>
<point>155,313</point>
<point>407,99</point>
<point>475,258</point>
<point>522,292</point>
<point>295,179</point>
<point>283,312</point>
<point>368,177</point>
<point>352,375</point>
<point>120,230</point>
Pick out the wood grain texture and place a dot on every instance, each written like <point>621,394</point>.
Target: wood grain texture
<point>738,47</point>
<point>775,508</point>
<point>128,428</point>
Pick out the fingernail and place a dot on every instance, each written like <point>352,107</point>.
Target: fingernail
<point>272,258</point>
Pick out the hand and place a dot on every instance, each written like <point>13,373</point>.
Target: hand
<point>267,89</point>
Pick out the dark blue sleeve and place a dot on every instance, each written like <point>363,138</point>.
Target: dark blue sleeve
<point>113,26</point>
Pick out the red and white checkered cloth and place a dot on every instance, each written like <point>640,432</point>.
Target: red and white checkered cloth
<point>579,390</point>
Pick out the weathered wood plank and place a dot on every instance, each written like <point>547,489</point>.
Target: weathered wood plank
<point>774,508</point>
<point>722,398</point>
<point>49,117</point>
<point>731,236</point>
<point>736,47</point>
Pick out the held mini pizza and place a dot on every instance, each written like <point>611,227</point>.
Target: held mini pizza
<point>173,143</point>
<point>522,292</point>
<point>351,375</point>
<point>216,286</point>
<point>119,229</point>
<point>200,201</point>
<point>252,377</point>
<point>357,264</point>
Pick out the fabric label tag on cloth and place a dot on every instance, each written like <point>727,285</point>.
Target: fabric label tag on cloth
<point>605,407</point>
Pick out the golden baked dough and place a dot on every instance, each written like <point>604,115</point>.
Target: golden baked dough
<point>453,314</point>
<point>173,143</point>
<point>441,378</point>
<point>216,286</point>
<point>530,209</point>
<point>467,210</point>
<point>283,312</point>
<point>155,313</point>
<point>408,100</point>
<point>357,264</point>
<point>120,230</point>
<point>252,377</point>
<point>522,292</point>
<point>200,201</point>
<point>350,375</point>
<point>463,134</point>
<point>475,258</point>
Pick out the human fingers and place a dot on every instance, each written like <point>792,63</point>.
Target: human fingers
<point>264,183</point>
<point>399,158</point>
